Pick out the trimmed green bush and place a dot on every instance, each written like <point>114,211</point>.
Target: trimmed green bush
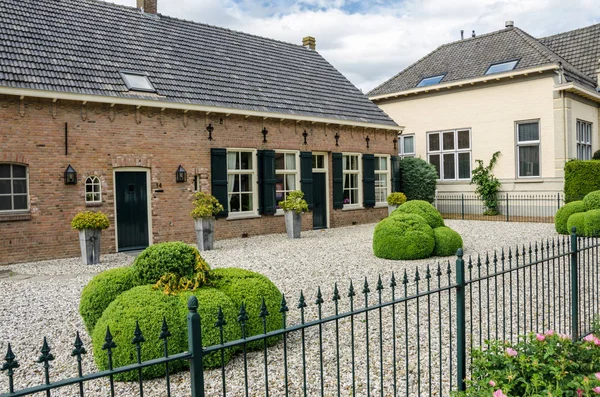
<point>591,201</point>
<point>418,179</point>
<point>403,236</point>
<point>596,155</point>
<point>591,223</point>
<point>581,177</point>
<point>101,291</point>
<point>244,286</point>
<point>563,214</point>
<point>149,306</point>
<point>423,209</point>
<point>577,220</point>
<point>157,260</point>
<point>447,241</point>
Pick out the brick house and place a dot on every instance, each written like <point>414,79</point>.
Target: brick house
<point>125,97</point>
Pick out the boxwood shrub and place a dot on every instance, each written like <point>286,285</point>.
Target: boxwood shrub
<point>423,209</point>
<point>577,220</point>
<point>591,223</point>
<point>172,257</point>
<point>563,214</point>
<point>403,236</point>
<point>418,179</point>
<point>447,241</point>
<point>591,200</point>
<point>581,177</point>
<point>101,291</point>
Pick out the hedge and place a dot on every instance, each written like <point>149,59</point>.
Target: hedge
<point>581,177</point>
<point>591,223</point>
<point>403,236</point>
<point>563,214</point>
<point>447,241</point>
<point>591,200</point>
<point>418,179</point>
<point>172,257</point>
<point>424,209</point>
<point>577,220</point>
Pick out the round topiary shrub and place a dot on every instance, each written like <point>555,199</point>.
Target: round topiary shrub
<point>591,223</point>
<point>423,209</point>
<point>101,291</point>
<point>563,214</point>
<point>592,200</point>
<point>148,307</point>
<point>447,241</point>
<point>244,286</point>
<point>577,220</point>
<point>181,259</point>
<point>596,155</point>
<point>418,179</point>
<point>403,236</point>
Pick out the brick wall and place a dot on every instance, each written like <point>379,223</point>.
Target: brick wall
<point>102,138</point>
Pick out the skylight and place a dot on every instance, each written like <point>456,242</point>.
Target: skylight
<point>430,80</point>
<point>136,81</point>
<point>502,67</point>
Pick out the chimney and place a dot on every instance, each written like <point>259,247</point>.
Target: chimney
<point>309,42</point>
<point>509,24</point>
<point>462,34</point>
<point>473,34</point>
<point>147,6</point>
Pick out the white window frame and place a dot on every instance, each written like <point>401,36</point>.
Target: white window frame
<point>254,184</point>
<point>519,144</point>
<point>359,180</point>
<point>11,178</point>
<point>456,151</point>
<point>92,181</point>
<point>388,179</point>
<point>286,172</point>
<point>583,139</point>
<point>401,151</point>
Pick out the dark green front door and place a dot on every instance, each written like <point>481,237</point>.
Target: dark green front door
<point>319,201</point>
<point>132,210</point>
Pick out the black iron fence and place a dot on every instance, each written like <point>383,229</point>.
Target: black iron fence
<point>510,207</point>
<point>408,335</point>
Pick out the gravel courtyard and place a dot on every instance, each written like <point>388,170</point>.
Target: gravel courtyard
<point>42,299</point>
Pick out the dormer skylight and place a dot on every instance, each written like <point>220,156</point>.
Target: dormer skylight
<point>137,81</point>
<point>430,80</point>
<point>502,67</point>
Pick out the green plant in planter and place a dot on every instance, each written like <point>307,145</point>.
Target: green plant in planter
<point>487,184</point>
<point>294,202</point>
<point>396,198</point>
<point>205,205</point>
<point>90,220</point>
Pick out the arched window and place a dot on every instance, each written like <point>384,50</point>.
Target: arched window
<point>14,192</point>
<point>93,191</point>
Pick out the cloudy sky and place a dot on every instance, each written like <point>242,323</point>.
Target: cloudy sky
<point>370,41</point>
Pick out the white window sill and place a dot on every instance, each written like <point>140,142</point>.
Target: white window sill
<point>381,205</point>
<point>235,216</point>
<point>352,207</point>
<point>532,179</point>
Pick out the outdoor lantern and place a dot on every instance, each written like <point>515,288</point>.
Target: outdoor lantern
<point>367,139</point>
<point>337,139</point>
<point>210,129</point>
<point>395,143</point>
<point>304,135</point>
<point>70,176</point>
<point>264,132</point>
<point>180,175</point>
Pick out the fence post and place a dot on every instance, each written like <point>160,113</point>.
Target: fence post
<point>507,219</point>
<point>462,202</point>
<point>574,287</point>
<point>195,348</point>
<point>558,201</point>
<point>461,347</point>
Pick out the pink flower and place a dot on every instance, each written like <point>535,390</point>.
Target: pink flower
<point>511,352</point>
<point>596,389</point>
<point>549,332</point>
<point>598,375</point>
<point>540,337</point>
<point>498,393</point>
<point>579,393</point>
<point>492,383</point>
<point>596,341</point>
<point>565,336</point>
<point>589,338</point>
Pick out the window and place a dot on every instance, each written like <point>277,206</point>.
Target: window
<point>241,181</point>
<point>93,190</point>
<point>450,153</point>
<point>502,67</point>
<point>286,174</point>
<point>382,179</point>
<point>318,161</point>
<point>430,80</point>
<point>13,188</point>
<point>351,173</point>
<point>406,146</point>
<point>137,81</point>
<point>584,140</point>
<point>528,149</point>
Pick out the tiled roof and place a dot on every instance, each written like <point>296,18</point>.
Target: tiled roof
<point>79,46</point>
<point>472,57</point>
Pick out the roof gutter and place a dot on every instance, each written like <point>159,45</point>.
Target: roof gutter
<point>579,90</point>
<point>460,83</point>
<point>154,103</point>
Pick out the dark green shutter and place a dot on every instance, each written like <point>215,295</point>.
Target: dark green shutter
<point>338,181</point>
<point>368,180</point>
<point>218,171</point>
<point>266,182</point>
<point>306,177</point>
<point>395,174</point>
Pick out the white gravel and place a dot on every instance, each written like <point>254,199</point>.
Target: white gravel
<point>42,299</point>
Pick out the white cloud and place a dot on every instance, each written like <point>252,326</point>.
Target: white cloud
<point>377,41</point>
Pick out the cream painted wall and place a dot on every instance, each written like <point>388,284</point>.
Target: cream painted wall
<point>491,111</point>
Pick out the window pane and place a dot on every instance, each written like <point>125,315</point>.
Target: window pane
<point>19,171</point>
<point>279,161</point>
<point>434,142</point>
<point>5,203</point>
<point>464,165</point>
<point>449,140</point>
<point>19,186</point>
<point>20,202</point>
<point>502,67</point>
<point>246,202</point>
<point>290,182</point>
<point>434,159</point>
<point>89,197</point>
<point>246,183</point>
<point>246,160</point>
<point>449,171</point>
<point>232,160</point>
<point>529,132</point>
<point>290,161</point>
<point>234,202</point>
<point>409,144</point>
<point>529,161</point>
<point>4,170</point>
<point>5,186</point>
<point>430,80</point>
<point>463,139</point>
